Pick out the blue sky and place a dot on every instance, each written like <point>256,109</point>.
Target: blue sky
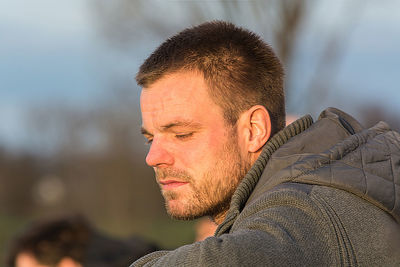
<point>53,51</point>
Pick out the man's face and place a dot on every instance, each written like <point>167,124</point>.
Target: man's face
<point>27,259</point>
<point>193,151</point>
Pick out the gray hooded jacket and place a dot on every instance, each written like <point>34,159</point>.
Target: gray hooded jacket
<point>320,194</point>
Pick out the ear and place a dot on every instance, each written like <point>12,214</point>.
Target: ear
<point>256,128</point>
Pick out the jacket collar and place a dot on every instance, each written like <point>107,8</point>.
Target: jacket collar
<point>250,180</point>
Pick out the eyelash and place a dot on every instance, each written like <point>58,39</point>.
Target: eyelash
<point>148,142</point>
<point>178,136</point>
<point>183,136</point>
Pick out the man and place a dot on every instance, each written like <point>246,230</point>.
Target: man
<point>70,241</point>
<point>323,193</point>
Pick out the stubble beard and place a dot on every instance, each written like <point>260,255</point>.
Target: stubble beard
<point>212,193</point>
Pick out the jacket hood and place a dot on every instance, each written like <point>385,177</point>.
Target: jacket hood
<point>336,151</point>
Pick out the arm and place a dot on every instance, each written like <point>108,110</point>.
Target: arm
<point>283,228</point>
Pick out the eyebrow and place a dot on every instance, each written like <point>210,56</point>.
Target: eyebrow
<point>168,126</point>
<point>144,131</point>
<point>181,124</point>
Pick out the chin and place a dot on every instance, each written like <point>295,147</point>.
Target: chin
<point>178,211</point>
<point>183,217</point>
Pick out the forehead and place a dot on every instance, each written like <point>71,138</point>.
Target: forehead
<point>181,95</point>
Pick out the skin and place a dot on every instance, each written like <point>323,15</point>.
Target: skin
<point>26,259</point>
<point>198,158</point>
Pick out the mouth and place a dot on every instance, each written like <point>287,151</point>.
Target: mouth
<point>171,184</point>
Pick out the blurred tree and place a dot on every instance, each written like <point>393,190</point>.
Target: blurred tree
<point>126,24</point>
<point>18,172</point>
<point>99,154</point>
<point>372,114</point>
<point>18,175</point>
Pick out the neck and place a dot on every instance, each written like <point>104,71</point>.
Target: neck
<point>220,217</point>
<point>244,167</point>
<point>247,185</point>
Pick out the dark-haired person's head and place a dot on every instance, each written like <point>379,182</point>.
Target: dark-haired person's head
<point>71,241</point>
<point>212,97</point>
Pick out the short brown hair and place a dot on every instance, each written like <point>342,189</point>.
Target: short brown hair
<point>240,69</point>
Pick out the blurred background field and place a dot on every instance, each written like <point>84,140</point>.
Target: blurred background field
<point>69,110</point>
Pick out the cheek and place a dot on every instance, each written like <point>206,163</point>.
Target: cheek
<point>201,153</point>
<point>195,155</point>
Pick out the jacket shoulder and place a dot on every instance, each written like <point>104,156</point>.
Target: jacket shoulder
<point>347,229</point>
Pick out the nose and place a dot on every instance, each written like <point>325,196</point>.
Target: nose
<point>158,155</point>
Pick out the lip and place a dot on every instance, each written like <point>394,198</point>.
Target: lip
<point>170,184</point>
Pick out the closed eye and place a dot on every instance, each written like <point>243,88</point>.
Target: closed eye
<point>149,140</point>
<point>184,136</point>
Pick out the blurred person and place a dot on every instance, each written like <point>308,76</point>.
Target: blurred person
<point>307,194</point>
<point>71,241</point>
